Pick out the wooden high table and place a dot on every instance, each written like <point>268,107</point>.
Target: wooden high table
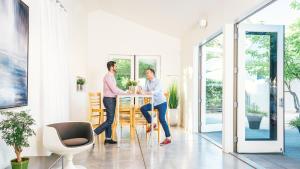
<point>132,105</point>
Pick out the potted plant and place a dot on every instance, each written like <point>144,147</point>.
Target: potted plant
<point>131,85</point>
<point>254,116</point>
<point>16,129</point>
<point>173,104</point>
<point>80,82</point>
<point>295,123</point>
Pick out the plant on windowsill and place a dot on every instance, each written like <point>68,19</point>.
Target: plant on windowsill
<point>16,128</point>
<point>295,123</point>
<point>254,116</point>
<point>173,104</point>
<point>80,82</point>
<point>131,86</point>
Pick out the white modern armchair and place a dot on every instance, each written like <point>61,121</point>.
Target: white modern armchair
<point>68,139</point>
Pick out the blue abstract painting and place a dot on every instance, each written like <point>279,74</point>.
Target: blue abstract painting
<point>14,34</point>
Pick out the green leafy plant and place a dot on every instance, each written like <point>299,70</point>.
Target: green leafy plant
<point>253,109</point>
<point>295,122</point>
<point>16,130</point>
<point>80,81</point>
<point>174,97</point>
<point>213,93</point>
<point>131,83</point>
<point>259,52</point>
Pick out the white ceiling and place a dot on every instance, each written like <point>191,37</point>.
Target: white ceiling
<point>173,17</point>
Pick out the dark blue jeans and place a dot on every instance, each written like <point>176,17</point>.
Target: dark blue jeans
<point>162,109</point>
<point>110,105</point>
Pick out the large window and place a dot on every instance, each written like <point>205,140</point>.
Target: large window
<point>124,72</point>
<point>143,63</point>
<point>133,68</point>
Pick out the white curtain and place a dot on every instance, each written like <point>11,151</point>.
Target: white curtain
<point>54,62</point>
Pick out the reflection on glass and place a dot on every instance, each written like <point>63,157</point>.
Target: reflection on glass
<point>214,77</point>
<point>260,86</point>
<point>143,65</point>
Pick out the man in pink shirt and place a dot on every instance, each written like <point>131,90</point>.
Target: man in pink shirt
<point>110,91</point>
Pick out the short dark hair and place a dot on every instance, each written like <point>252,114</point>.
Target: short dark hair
<point>151,70</point>
<point>110,64</point>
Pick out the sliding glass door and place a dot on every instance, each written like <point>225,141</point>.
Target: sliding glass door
<point>211,90</point>
<point>260,88</point>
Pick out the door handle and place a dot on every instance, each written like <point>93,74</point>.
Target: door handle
<point>281,102</point>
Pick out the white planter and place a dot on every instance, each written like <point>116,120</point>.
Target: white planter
<point>132,89</point>
<point>174,116</point>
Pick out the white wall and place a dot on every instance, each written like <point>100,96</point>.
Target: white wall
<point>77,67</point>
<point>78,56</point>
<point>110,34</point>
<point>6,153</point>
<point>229,12</point>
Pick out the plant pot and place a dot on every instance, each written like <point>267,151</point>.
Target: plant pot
<point>132,90</point>
<point>79,87</point>
<point>21,165</point>
<point>254,121</point>
<point>173,117</point>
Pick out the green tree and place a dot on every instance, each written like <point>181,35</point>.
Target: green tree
<point>124,72</point>
<point>213,94</point>
<point>292,60</point>
<point>146,64</point>
<point>258,64</point>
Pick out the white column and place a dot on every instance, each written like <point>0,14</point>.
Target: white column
<point>228,90</point>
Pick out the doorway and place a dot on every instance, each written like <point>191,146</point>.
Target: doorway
<point>211,88</point>
<point>258,89</point>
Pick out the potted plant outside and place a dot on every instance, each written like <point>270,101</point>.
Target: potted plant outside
<point>16,130</point>
<point>254,116</point>
<point>173,104</point>
<point>80,82</point>
<point>131,85</point>
<point>295,123</point>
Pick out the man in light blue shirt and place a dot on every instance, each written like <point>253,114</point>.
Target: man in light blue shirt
<point>153,86</point>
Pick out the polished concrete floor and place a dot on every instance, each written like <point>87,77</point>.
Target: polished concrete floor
<point>289,160</point>
<point>187,151</point>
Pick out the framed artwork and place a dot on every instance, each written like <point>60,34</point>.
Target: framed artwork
<point>14,33</point>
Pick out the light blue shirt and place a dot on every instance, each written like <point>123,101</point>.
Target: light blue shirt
<point>155,87</point>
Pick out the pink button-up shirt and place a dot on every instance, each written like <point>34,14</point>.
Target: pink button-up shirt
<point>110,88</point>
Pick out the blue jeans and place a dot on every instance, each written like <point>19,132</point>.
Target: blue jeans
<point>110,105</point>
<point>162,109</point>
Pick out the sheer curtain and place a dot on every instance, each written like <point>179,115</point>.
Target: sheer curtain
<point>54,62</point>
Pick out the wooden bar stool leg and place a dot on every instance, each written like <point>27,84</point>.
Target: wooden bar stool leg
<point>146,126</point>
<point>158,126</point>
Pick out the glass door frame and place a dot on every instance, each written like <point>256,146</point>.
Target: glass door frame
<point>255,146</point>
<point>202,127</point>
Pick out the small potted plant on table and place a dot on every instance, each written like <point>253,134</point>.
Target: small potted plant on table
<point>16,129</point>
<point>295,123</point>
<point>254,116</point>
<point>131,85</point>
